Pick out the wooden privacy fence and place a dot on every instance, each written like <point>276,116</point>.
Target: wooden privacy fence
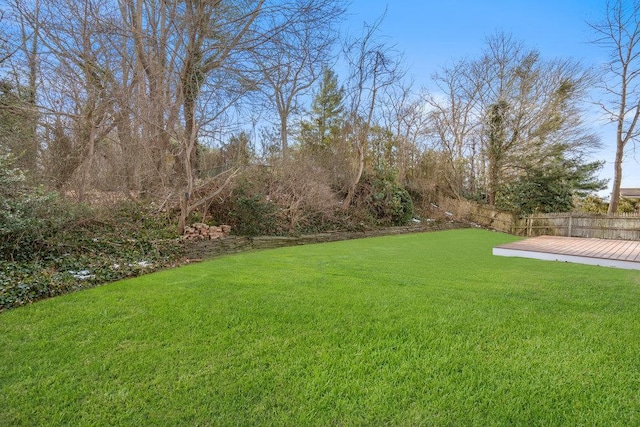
<point>623,226</point>
<point>574,224</point>
<point>476,213</point>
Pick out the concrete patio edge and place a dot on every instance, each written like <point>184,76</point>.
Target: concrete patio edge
<point>546,256</point>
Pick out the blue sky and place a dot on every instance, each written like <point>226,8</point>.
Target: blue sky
<point>433,33</point>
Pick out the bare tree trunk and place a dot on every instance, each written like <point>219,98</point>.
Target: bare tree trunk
<point>494,174</point>
<point>189,147</point>
<point>32,57</point>
<point>30,45</point>
<point>348,200</point>
<point>284,137</point>
<point>617,181</point>
<point>362,140</point>
<point>88,164</point>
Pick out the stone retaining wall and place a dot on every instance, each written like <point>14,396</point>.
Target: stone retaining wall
<point>204,249</point>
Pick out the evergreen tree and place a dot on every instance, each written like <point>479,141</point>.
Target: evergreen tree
<point>327,113</point>
<point>551,188</point>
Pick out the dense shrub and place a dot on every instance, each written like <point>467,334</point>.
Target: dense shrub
<point>628,205</point>
<point>592,204</point>
<point>300,190</point>
<point>51,246</point>
<point>287,197</point>
<point>252,215</point>
<point>245,205</point>
<point>29,216</point>
<point>387,200</point>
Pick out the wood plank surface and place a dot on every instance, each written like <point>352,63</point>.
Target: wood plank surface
<point>623,250</point>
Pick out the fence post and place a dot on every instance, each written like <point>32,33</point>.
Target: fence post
<point>570,225</point>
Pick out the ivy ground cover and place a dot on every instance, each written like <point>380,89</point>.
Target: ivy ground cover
<point>421,329</point>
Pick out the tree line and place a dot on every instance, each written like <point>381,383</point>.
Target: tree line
<point>262,109</point>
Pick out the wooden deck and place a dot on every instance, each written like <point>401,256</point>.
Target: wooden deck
<point>607,253</point>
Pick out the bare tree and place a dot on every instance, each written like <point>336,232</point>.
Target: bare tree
<point>29,44</point>
<point>619,33</point>
<point>6,50</point>
<point>185,49</point>
<point>519,111</point>
<point>374,67</point>
<point>76,73</point>
<point>454,124</point>
<point>205,53</point>
<point>404,115</point>
<point>156,38</point>
<point>292,59</point>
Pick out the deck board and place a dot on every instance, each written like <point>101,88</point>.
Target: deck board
<point>604,252</point>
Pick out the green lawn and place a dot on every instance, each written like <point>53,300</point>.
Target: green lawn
<point>421,329</point>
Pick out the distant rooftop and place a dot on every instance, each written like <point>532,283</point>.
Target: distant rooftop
<point>632,193</point>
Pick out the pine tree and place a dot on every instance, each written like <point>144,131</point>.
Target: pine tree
<point>327,113</point>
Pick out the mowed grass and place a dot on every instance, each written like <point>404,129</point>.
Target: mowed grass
<point>421,329</point>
